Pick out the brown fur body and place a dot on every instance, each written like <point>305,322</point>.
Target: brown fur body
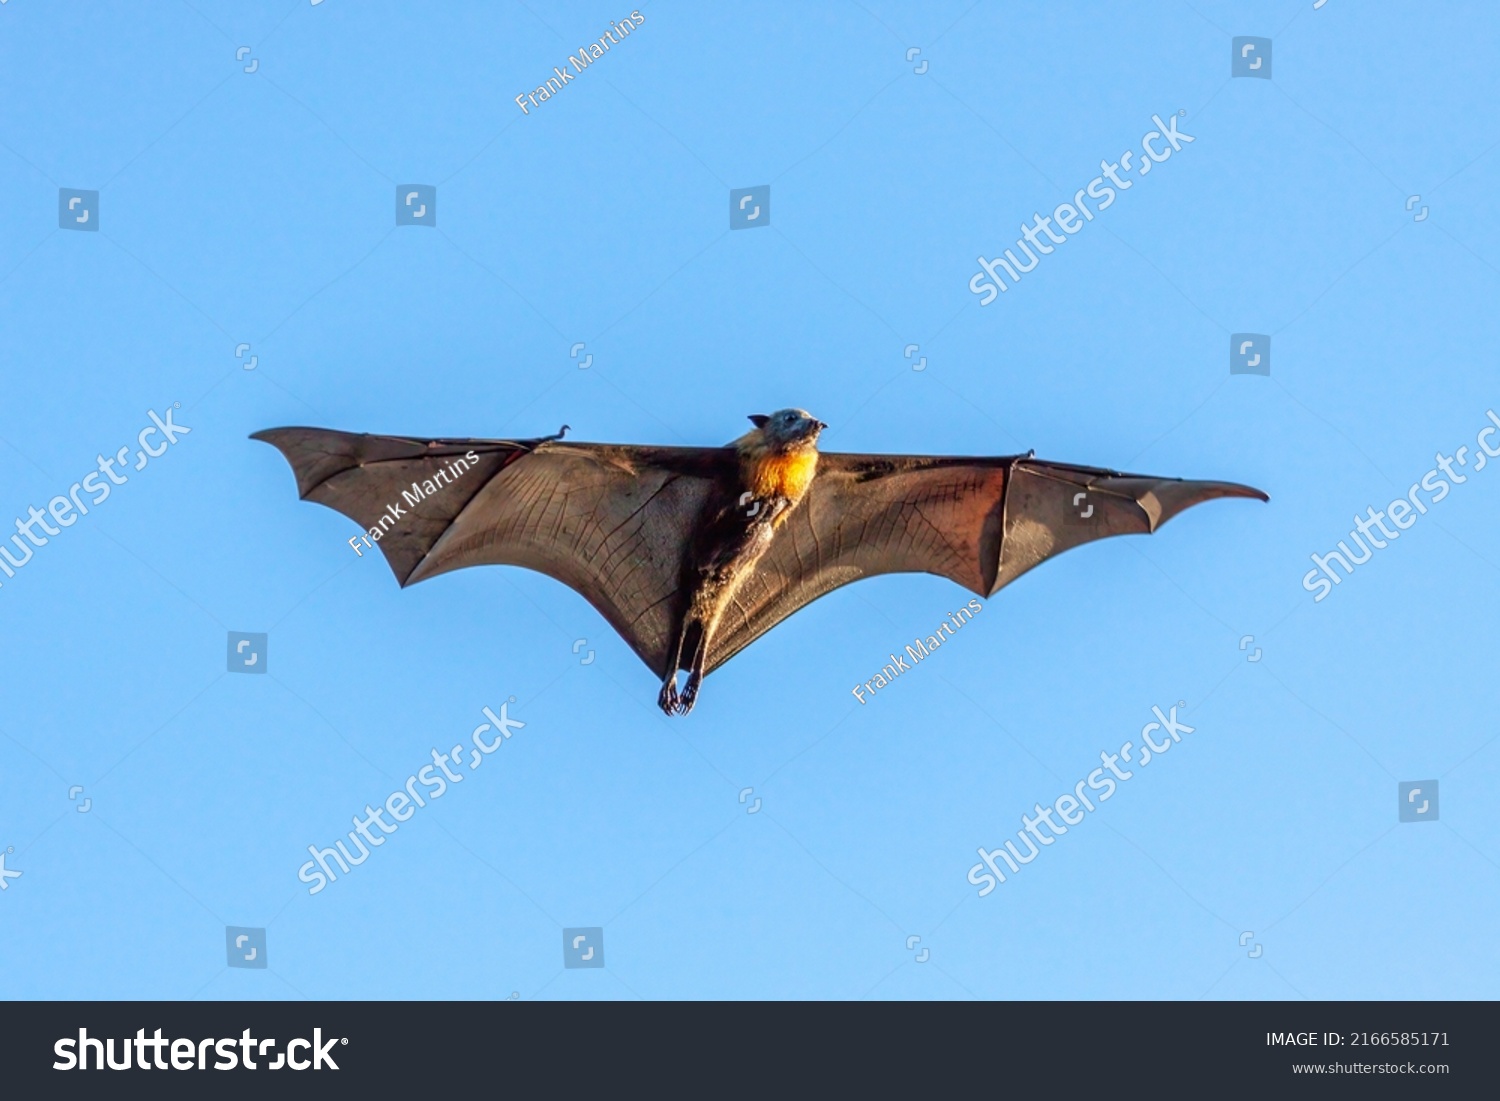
<point>768,474</point>
<point>778,461</point>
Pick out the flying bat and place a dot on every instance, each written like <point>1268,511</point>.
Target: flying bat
<point>692,553</point>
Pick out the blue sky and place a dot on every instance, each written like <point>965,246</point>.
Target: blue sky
<point>256,208</point>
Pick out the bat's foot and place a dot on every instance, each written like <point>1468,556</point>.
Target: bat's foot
<point>689,694</point>
<point>668,699</point>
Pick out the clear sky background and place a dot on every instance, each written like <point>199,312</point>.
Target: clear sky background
<point>1261,858</point>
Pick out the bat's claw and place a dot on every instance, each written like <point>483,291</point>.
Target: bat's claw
<point>667,700</point>
<point>689,694</point>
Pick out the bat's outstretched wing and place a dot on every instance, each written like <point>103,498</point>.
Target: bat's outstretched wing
<point>980,522</point>
<point>615,523</point>
<point>611,522</point>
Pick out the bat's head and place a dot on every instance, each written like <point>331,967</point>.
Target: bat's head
<point>788,429</point>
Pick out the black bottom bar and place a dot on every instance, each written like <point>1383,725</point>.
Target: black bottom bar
<point>1061,1049</point>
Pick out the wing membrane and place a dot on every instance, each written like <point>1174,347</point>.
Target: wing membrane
<point>616,523</point>
<point>611,522</point>
<point>979,522</point>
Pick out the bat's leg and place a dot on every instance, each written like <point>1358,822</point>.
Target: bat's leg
<point>703,616</point>
<point>729,567</point>
<point>668,699</point>
<point>689,694</point>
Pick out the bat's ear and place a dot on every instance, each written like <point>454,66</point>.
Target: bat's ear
<point>759,419</point>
